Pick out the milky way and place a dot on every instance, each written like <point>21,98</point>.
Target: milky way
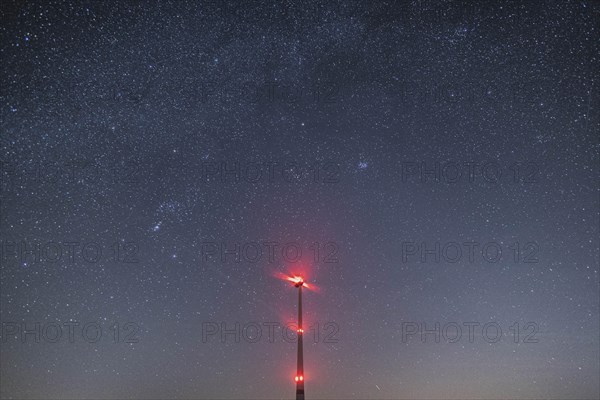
<point>430,167</point>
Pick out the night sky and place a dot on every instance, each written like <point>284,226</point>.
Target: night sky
<point>421,163</point>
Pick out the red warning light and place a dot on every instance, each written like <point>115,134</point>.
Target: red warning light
<point>297,281</point>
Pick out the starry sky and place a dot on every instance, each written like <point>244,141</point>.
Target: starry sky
<point>153,153</point>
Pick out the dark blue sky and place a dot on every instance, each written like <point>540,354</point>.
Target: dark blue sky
<point>421,162</point>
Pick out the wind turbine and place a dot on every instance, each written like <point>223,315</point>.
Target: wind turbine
<point>299,282</point>
<point>299,378</point>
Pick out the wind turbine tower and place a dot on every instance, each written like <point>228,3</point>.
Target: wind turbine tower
<point>299,378</point>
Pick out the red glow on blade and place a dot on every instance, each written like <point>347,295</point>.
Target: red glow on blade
<point>296,279</point>
<point>312,287</point>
